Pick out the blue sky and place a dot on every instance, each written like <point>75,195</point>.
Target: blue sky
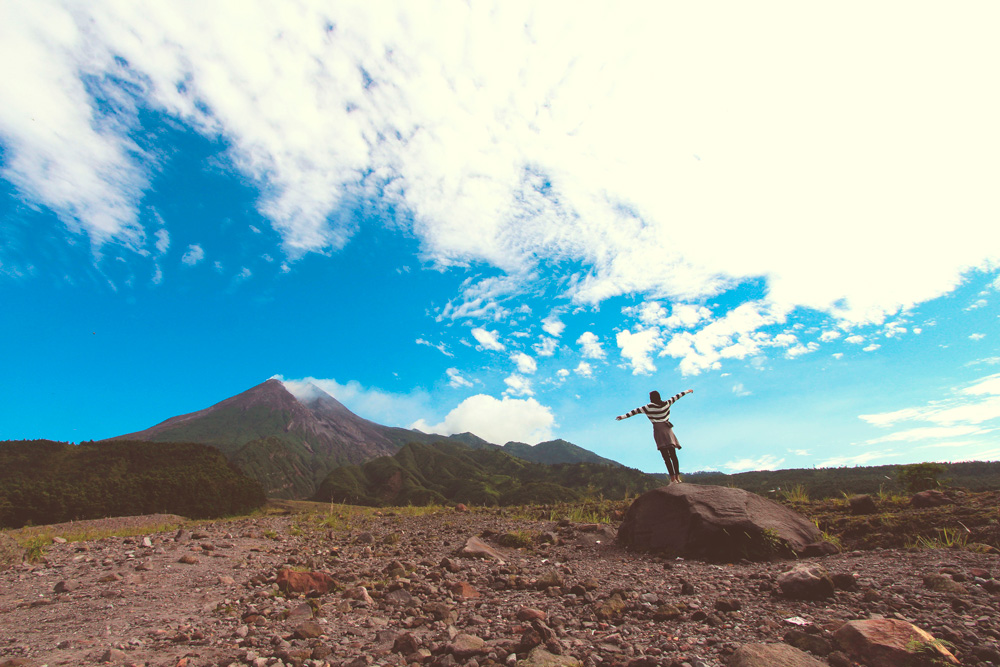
<point>514,220</point>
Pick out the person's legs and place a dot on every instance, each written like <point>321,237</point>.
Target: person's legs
<point>670,459</point>
<point>674,464</point>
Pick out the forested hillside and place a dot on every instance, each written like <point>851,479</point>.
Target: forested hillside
<point>834,482</point>
<point>42,481</point>
<point>420,474</point>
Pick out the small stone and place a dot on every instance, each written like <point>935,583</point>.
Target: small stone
<point>187,559</point>
<point>771,655</point>
<point>539,657</point>
<point>113,655</point>
<point>806,582</point>
<point>308,630</point>
<point>529,614</point>
<point>943,584</point>
<point>65,587</point>
<point>465,646</point>
<point>464,590</point>
<point>727,604</point>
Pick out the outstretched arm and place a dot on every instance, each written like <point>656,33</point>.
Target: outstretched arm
<point>641,408</point>
<point>670,401</point>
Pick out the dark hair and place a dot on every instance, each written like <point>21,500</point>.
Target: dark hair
<point>654,397</point>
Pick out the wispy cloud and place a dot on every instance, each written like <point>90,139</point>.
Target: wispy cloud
<point>440,347</point>
<point>973,410</point>
<point>373,101</point>
<point>193,255</point>
<point>456,380</point>
<point>766,462</point>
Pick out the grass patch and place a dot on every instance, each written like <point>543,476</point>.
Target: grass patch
<point>946,538</point>
<point>796,493</point>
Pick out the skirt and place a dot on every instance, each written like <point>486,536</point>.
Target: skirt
<point>664,436</point>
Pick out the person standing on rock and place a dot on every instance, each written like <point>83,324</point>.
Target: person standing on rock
<point>658,412</point>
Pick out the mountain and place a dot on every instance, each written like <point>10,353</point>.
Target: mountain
<point>450,472</point>
<point>290,443</point>
<point>555,451</point>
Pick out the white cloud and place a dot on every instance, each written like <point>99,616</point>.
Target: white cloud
<point>455,378</point>
<point>798,350</point>
<point>583,369</point>
<point>487,339</point>
<point>545,347</point>
<point>928,432</point>
<point>987,385</point>
<point>244,273</point>
<point>390,409</point>
<point>732,336</point>
<point>497,421</point>
<point>827,336</point>
<point>837,355</point>
<point>855,339</point>
<point>555,152</point>
<point>685,316</point>
<point>162,241</point>
<point>799,452</point>
<point>977,336</point>
<point>590,346</point>
<point>637,349</point>
<point>562,373</point>
<point>194,254</point>
<point>871,348</point>
<point>517,385</point>
<point>157,275</point>
<point>740,390</point>
<point>766,462</point>
<point>973,411</point>
<point>552,325</point>
<point>525,364</point>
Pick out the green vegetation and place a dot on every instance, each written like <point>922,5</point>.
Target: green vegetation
<point>43,482</point>
<point>885,481</point>
<point>444,473</point>
<point>946,538</point>
<point>919,477</point>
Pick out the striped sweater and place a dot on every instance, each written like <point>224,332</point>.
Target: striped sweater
<point>656,413</point>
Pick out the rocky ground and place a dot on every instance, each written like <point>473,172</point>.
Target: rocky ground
<point>393,588</point>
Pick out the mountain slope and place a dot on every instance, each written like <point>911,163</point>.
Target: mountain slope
<point>555,451</point>
<point>444,472</point>
<point>288,444</point>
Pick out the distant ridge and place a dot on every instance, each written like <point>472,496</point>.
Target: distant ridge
<point>291,443</point>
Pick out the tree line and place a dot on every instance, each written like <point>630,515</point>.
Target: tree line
<point>42,481</point>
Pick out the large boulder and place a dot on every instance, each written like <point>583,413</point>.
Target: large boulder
<point>714,523</point>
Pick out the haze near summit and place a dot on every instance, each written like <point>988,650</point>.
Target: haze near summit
<point>512,220</point>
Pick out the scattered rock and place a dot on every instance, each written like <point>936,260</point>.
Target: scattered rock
<point>943,584</point>
<point>806,582</point>
<point>308,630</point>
<point>113,655</point>
<point>888,642</point>
<point>476,548</point>
<point>930,498</point>
<point>772,655</point>
<point>863,504</point>
<point>291,581</point>
<point>188,559</point>
<point>539,657</point>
